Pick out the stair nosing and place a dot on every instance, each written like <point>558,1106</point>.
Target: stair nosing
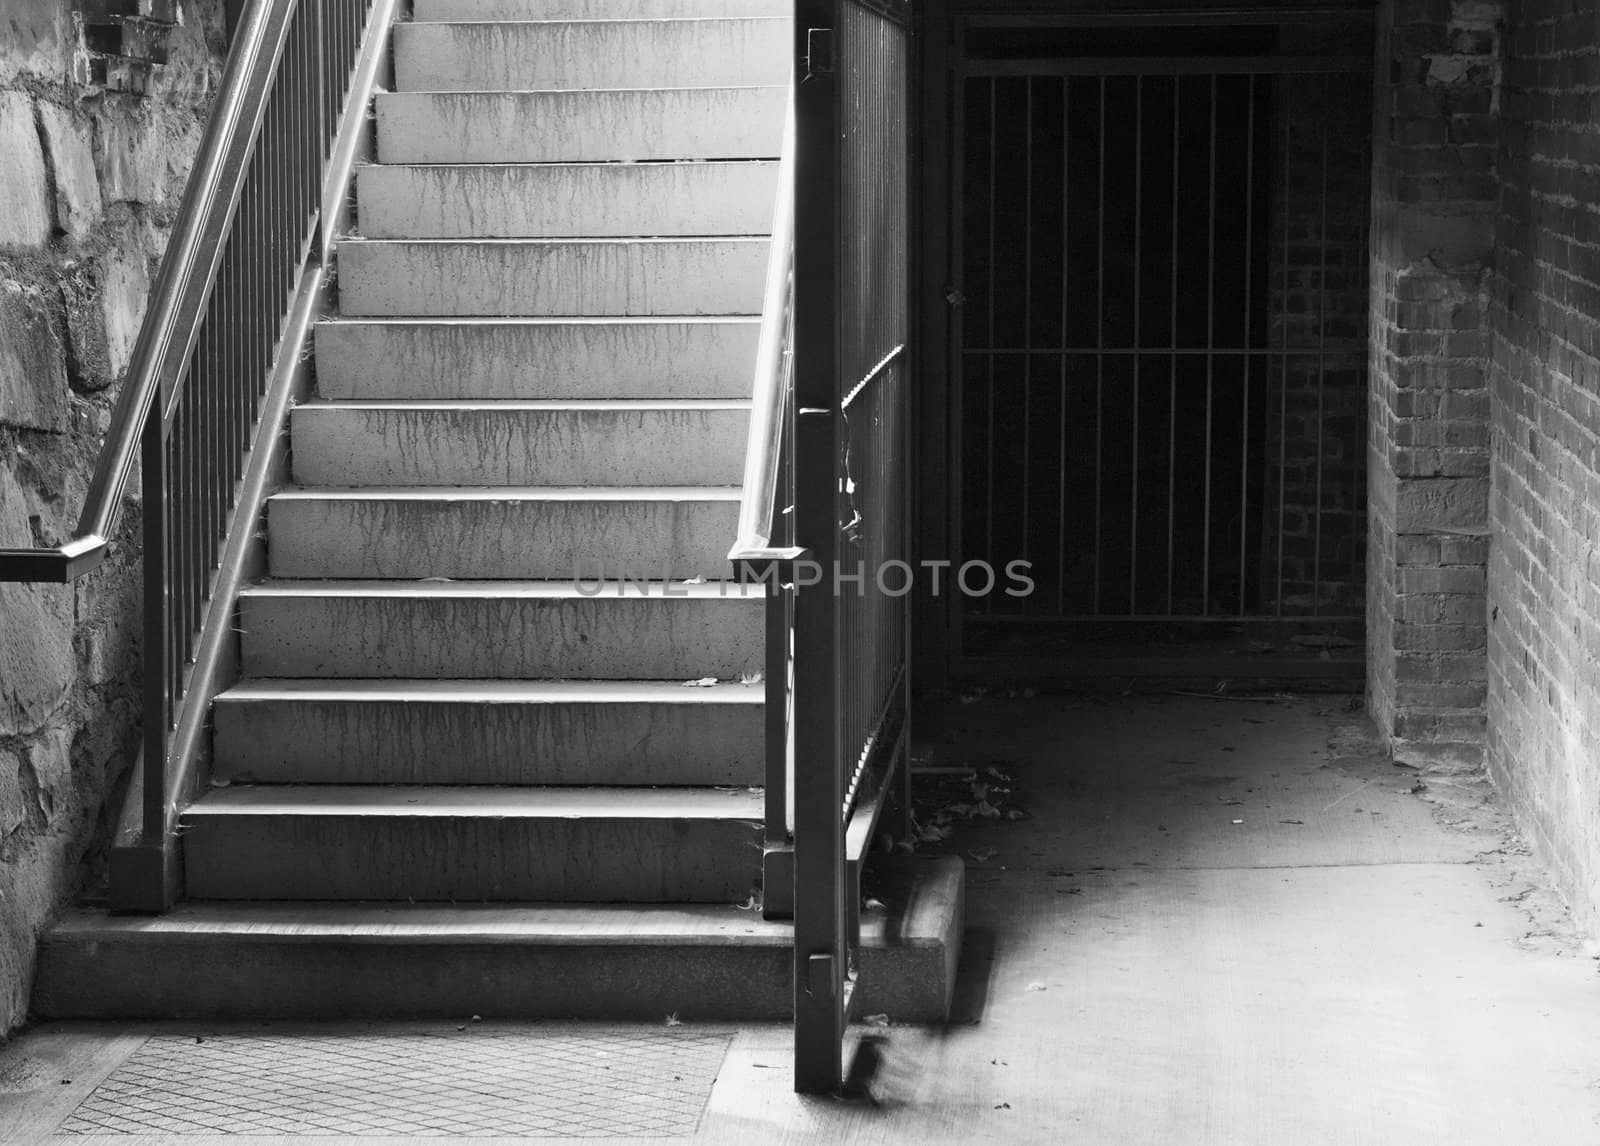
<point>556,923</point>
<point>438,801</point>
<point>567,241</point>
<point>530,589</point>
<point>425,691</point>
<point>533,405</point>
<point>610,21</point>
<point>513,493</point>
<point>577,320</point>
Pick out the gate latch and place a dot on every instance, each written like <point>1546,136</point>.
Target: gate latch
<point>819,52</point>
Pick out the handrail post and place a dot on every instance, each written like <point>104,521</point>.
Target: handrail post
<point>157,653</point>
<point>819,914</point>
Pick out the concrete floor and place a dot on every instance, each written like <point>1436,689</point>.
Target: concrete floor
<point>1219,921</point>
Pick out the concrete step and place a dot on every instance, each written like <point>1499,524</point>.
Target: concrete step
<point>536,358</point>
<point>618,443</point>
<point>543,200</point>
<point>562,127</point>
<point>490,277</point>
<point>596,9</point>
<point>274,960</point>
<point>478,630</point>
<point>556,55</point>
<point>488,732</point>
<point>518,532</point>
<point>601,845</point>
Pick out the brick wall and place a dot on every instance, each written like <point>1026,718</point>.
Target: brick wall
<point>1314,501</point>
<point>89,180</point>
<point>1433,203</point>
<point>1544,573</point>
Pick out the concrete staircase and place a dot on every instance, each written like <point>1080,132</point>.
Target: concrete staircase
<point>462,775</point>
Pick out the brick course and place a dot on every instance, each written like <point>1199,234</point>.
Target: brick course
<point>1544,568</point>
<point>1434,191</point>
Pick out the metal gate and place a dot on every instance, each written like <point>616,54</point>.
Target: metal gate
<point>1160,380</point>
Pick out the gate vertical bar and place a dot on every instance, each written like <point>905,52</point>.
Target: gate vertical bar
<point>819,911</point>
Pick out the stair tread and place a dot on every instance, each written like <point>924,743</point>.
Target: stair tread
<point>425,691</point>
<point>620,167</point>
<point>417,801</point>
<point>565,924</point>
<point>478,93</point>
<point>477,320</point>
<point>549,590</point>
<point>529,405</point>
<point>560,241</point>
<point>614,20</point>
<point>510,493</point>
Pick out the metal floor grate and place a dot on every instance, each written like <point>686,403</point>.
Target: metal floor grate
<point>543,1083</point>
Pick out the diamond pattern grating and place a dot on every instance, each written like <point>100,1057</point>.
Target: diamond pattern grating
<point>544,1083</point>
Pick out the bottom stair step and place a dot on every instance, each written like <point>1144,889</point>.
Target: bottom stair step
<point>273,960</point>
<point>613,845</point>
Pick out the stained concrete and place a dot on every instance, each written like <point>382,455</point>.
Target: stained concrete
<point>1142,969</point>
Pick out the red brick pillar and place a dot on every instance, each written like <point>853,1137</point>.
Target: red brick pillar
<point>1434,201</point>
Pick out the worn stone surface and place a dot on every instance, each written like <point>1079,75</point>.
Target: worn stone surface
<point>35,35</point>
<point>77,183</point>
<point>25,217</point>
<point>124,290</point>
<point>144,155</point>
<point>90,182</point>
<point>33,377</point>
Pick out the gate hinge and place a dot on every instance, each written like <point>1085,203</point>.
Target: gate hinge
<point>822,980</point>
<point>819,52</point>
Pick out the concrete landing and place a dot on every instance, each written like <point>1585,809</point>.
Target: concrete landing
<point>1140,969</point>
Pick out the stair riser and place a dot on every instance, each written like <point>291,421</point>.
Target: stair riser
<point>209,979</point>
<point>596,9</point>
<point>556,127</point>
<point>399,447</point>
<point>607,638</point>
<point>407,742</point>
<point>401,361</point>
<point>223,961</point>
<point>507,277</point>
<point>203,978</point>
<point>501,201</point>
<point>522,540</point>
<point>521,56</point>
<point>469,858</point>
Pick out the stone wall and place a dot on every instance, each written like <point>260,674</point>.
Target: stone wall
<point>1544,572</point>
<point>90,179</point>
<point>1433,208</point>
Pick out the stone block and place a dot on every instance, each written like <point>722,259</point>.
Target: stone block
<point>1442,504</point>
<point>37,665</point>
<point>25,220</point>
<point>13,795</point>
<point>124,291</point>
<point>33,375</point>
<point>1440,758</point>
<point>144,157</point>
<point>77,183</point>
<point>50,760</point>
<point>36,38</point>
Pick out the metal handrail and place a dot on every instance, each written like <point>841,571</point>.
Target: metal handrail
<point>177,301</point>
<point>758,506</point>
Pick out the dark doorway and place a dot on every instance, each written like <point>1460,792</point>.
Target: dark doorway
<point>1160,361</point>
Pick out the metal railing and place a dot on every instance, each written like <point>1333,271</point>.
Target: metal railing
<point>764,549</point>
<point>825,511</point>
<point>231,307</point>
